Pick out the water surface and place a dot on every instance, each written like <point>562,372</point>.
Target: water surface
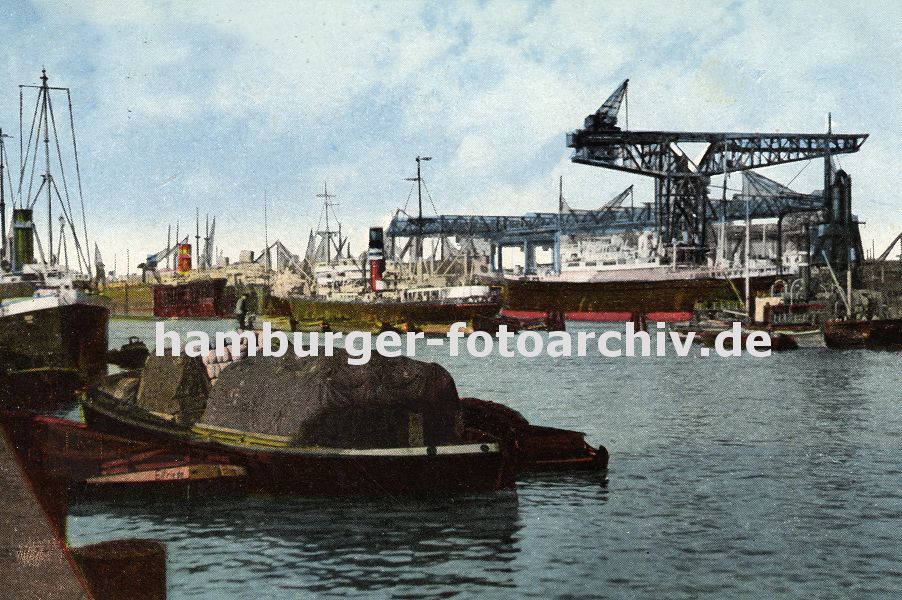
<point>729,477</point>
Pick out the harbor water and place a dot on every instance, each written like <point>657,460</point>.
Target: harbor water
<point>729,477</point>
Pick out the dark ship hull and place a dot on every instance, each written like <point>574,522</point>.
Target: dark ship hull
<point>883,334</point>
<point>633,297</point>
<point>56,349</point>
<point>337,312</point>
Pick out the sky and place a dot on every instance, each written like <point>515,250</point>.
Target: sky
<point>217,105</point>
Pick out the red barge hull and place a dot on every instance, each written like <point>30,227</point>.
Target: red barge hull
<point>203,298</point>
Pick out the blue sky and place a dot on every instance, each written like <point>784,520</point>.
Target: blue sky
<point>210,104</point>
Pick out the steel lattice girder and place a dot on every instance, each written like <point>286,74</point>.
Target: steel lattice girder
<point>657,153</point>
<point>762,205</point>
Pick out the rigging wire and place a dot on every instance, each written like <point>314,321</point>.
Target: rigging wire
<point>40,187</point>
<point>69,218</point>
<point>805,166</point>
<point>9,177</point>
<point>430,198</point>
<point>21,149</point>
<point>84,218</point>
<point>37,241</point>
<point>35,125</point>
<point>406,202</point>
<point>59,155</point>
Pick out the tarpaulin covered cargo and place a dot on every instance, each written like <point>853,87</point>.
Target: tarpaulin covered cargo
<point>174,385</point>
<point>323,401</point>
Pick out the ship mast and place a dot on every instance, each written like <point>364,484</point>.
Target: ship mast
<point>328,233</point>
<point>44,118</point>
<point>48,179</point>
<point>267,265</point>
<point>3,192</point>
<point>197,236</point>
<point>418,246</point>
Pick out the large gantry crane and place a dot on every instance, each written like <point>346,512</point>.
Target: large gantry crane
<point>682,212</point>
<point>682,207</point>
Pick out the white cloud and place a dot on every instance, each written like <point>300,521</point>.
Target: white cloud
<point>281,96</point>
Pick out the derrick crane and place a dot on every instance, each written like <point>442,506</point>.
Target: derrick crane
<point>153,260</point>
<point>682,206</point>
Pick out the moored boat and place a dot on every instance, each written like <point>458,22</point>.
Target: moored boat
<point>54,340</point>
<point>434,458</point>
<point>131,355</point>
<point>661,291</point>
<point>53,328</point>
<point>876,334</point>
<point>539,448</point>
<point>412,307</point>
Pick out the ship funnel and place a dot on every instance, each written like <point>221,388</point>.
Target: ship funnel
<point>376,256</point>
<point>184,259</point>
<point>23,239</point>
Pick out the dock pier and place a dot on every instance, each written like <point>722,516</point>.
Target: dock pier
<point>34,561</point>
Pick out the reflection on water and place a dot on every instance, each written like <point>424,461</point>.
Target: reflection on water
<point>236,545</point>
<point>774,477</point>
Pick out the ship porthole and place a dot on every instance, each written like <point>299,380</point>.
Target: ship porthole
<point>431,450</point>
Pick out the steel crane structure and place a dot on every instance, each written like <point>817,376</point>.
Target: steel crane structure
<point>681,204</point>
<point>682,213</point>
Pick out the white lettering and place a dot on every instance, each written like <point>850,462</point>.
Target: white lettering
<point>163,336</point>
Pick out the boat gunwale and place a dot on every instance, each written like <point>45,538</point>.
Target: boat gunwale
<point>185,434</point>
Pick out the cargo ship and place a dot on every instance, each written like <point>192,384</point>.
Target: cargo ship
<point>358,293</point>
<point>440,306</point>
<point>349,296</point>
<point>53,328</point>
<point>620,291</point>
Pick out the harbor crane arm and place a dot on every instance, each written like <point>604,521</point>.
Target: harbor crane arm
<point>657,153</point>
<point>602,143</point>
<point>155,259</point>
<point>682,206</point>
<point>889,248</point>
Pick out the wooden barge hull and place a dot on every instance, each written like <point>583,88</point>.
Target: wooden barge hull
<point>442,470</point>
<point>630,297</point>
<point>375,313</point>
<point>65,451</point>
